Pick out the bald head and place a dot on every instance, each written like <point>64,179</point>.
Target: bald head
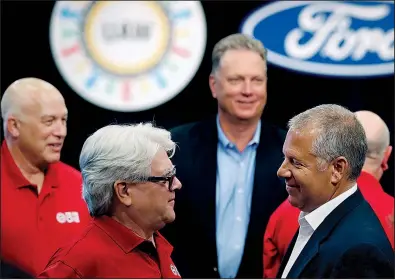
<point>25,95</point>
<point>35,122</point>
<point>378,138</point>
<point>377,132</point>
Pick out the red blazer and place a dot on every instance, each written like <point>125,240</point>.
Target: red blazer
<point>283,223</point>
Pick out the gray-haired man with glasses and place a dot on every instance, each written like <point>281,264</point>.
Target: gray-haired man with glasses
<point>129,185</point>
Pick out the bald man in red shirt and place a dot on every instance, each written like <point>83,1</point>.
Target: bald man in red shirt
<point>41,203</point>
<point>283,224</point>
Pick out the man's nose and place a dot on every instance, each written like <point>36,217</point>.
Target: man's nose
<point>60,130</point>
<point>176,184</point>
<point>247,88</point>
<point>283,171</point>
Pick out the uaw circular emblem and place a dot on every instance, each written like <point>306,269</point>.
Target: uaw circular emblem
<point>128,56</point>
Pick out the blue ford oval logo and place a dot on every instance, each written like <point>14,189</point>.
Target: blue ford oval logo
<point>335,38</point>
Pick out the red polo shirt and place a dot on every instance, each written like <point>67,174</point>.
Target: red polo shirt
<point>283,223</point>
<point>108,249</point>
<point>34,226</point>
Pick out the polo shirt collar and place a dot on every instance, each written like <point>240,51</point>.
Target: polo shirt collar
<point>124,237</point>
<point>13,171</point>
<point>367,182</point>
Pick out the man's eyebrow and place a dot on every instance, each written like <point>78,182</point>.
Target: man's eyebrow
<point>169,171</point>
<point>48,116</point>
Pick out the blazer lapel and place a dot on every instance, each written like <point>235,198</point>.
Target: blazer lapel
<point>319,235</point>
<point>264,197</point>
<point>205,167</point>
<point>285,259</point>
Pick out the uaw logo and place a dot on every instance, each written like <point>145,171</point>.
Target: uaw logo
<point>128,55</point>
<point>334,38</point>
<point>174,269</point>
<point>68,217</point>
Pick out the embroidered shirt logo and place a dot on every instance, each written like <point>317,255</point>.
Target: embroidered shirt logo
<point>174,270</point>
<point>67,217</point>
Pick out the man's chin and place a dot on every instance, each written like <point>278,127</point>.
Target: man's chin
<point>170,217</point>
<point>52,158</point>
<point>246,118</point>
<point>294,202</point>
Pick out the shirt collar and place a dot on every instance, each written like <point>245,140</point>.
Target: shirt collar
<point>225,141</point>
<point>367,182</point>
<point>12,170</point>
<point>125,237</point>
<point>316,217</point>
<point>305,229</point>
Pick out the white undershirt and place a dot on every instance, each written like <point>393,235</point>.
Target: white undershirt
<point>309,222</point>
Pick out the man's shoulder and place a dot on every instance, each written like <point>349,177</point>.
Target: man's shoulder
<point>195,129</point>
<point>191,128</point>
<point>363,253</point>
<point>276,131</point>
<point>374,194</point>
<point>362,224</point>
<point>80,247</point>
<point>385,201</point>
<point>67,171</point>
<point>81,253</point>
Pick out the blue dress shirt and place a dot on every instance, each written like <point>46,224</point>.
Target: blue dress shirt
<point>235,179</point>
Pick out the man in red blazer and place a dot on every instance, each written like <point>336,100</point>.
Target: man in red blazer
<point>283,223</point>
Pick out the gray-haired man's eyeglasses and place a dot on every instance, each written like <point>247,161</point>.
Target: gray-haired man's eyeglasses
<point>169,178</point>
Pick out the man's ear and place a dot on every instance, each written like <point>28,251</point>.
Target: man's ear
<point>387,154</point>
<point>13,126</point>
<point>123,193</point>
<point>339,169</point>
<point>211,83</point>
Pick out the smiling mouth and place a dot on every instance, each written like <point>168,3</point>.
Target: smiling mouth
<point>55,145</point>
<point>292,186</point>
<point>246,102</point>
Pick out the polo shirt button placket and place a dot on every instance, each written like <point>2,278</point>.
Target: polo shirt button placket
<point>39,215</point>
<point>40,209</point>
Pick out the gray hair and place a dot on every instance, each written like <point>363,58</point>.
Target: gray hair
<point>10,105</point>
<point>339,133</point>
<point>236,42</point>
<point>118,152</point>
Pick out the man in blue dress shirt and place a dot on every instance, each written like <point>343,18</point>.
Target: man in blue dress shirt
<point>228,166</point>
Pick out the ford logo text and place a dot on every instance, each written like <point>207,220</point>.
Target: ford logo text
<point>332,38</point>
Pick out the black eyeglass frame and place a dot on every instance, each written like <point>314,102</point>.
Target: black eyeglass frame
<point>170,179</point>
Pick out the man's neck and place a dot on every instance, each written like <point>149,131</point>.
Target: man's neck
<point>27,168</point>
<point>375,172</point>
<point>340,189</point>
<point>140,231</point>
<point>238,132</point>
<point>348,185</point>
